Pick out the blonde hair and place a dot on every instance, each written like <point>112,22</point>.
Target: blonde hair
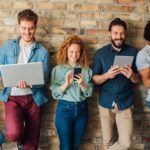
<point>63,49</point>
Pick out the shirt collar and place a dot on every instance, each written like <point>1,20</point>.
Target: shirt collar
<point>35,44</point>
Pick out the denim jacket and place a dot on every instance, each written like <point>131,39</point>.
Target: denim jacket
<point>9,55</point>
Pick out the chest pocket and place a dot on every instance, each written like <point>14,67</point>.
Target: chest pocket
<point>10,57</point>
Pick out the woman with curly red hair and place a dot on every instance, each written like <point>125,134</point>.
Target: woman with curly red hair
<point>72,91</point>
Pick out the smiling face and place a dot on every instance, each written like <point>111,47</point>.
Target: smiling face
<point>117,35</point>
<point>27,30</point>
<point>73,54</point>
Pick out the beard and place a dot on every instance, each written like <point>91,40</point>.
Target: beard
<point>118,43</point>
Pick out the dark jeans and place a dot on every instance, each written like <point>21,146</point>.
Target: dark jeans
<point>71,122</point>
<point>23,121</point>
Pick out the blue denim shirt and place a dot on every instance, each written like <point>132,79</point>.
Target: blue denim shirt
<point>118,89</point>
<point>9,55</point>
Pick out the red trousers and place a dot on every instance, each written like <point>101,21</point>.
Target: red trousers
<point>23,121</point>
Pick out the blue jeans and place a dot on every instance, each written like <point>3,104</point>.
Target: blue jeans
<point>71,122</point>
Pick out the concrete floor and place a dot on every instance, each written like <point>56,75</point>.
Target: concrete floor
<point>9,146</point>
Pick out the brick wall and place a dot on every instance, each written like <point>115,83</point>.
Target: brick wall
<point>89,19</point>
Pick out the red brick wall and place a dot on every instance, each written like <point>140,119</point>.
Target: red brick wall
<point>89,19</point>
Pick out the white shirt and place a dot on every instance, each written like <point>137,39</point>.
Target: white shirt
<point>23,58</point>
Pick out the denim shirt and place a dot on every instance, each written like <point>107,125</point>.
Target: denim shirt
<point>73,93</point>
<point>118,89</point>
<point>9,55</point>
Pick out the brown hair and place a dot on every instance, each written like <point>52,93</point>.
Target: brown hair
<point>28,15</point>
<point>62,51</point>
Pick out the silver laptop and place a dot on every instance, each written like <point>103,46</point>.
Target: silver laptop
<point>32,73</point>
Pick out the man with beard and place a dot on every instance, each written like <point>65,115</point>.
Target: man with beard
<point>115,87</point>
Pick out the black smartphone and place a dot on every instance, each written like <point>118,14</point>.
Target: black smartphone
<point>76,71</point>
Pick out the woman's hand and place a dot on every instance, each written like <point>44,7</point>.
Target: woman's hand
<point>79,78</point>
<point>68,82</point>
<point>69,78</point>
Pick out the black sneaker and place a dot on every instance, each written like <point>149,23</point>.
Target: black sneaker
<point>20,146</point>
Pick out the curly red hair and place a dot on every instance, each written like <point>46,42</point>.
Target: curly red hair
<point>63,49</point>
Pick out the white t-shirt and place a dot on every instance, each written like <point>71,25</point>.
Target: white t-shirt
<point>143,61</point>
<point>23,58</point>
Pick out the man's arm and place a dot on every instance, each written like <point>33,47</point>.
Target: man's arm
<point>99,79</point>
<point>127,71</point>
<point>112,72</point>
<point>135,78</point>
<point>145,76</point>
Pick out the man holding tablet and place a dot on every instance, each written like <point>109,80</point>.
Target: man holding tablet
<point>115,87</point>
<point>22,103</point>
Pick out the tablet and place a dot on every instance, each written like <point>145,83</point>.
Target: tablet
<point>123,60</point>
<point>12,74</point>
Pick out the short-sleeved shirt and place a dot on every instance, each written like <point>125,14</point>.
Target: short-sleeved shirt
<point>143,61</point>
<point>118,89</point>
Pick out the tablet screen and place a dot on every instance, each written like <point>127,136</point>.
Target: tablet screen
<point>123,60</point>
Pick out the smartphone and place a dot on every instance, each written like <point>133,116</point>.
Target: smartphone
<point>76,71</point>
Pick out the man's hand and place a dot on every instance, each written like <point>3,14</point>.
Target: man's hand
<point>113,71</point>
<point>23,85</point>
<point>110,74</point>
<point>126,71</point>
